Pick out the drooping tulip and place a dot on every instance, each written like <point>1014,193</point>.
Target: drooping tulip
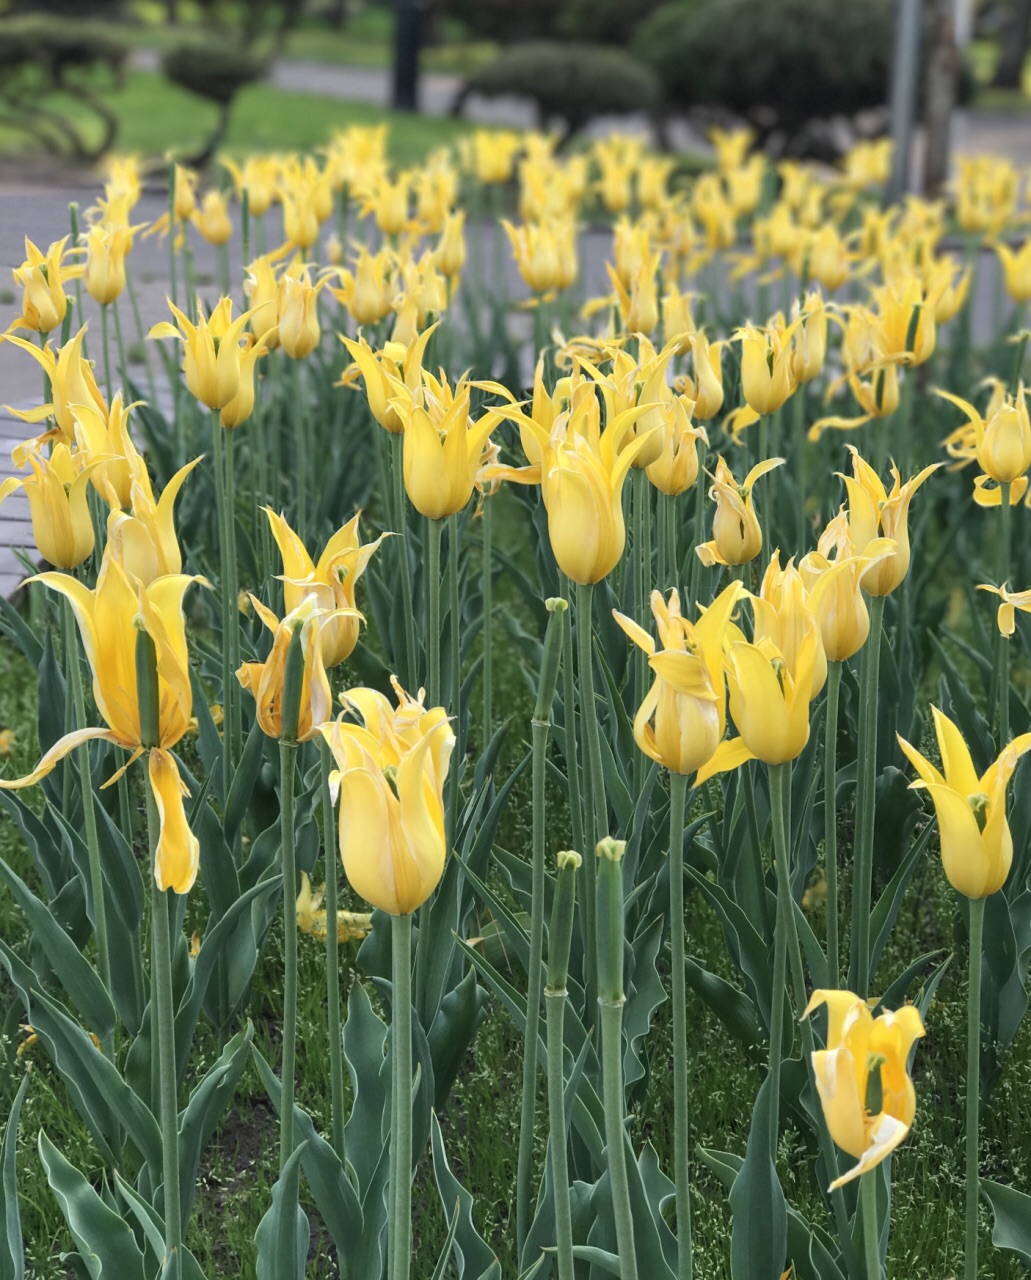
<point>865,1065</point>
<point>108,617</point>
<point>332,581</point>
<point>976,844</point>
<point>389,781</point>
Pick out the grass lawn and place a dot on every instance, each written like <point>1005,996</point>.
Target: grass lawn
<point>156,116</point>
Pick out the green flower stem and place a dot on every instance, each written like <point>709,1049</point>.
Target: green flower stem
<point>292,683</point>
<point>123,364</point>
<point>140,335</point>
<point>73,219</point>
<point>798,427</point>
<point>300,425</point>
<point>576,813</point>
<point>699,526</point>
<point>161,957</point>
<point>830,819</point>
<point>541,731</point>
<point>681,1127</point>
<point>869,676</point>
<point>555,1000</point>
<point>336,1054</point>
<point>487,593</point>
<point>109,385</point>
<point>456,678</point>
<point>784,928</point>
<point>434,529</point>
<point>400,509</point>
<point>227,604</point>
<point>611,999</point>
<point>871,1244</point>
<point>172,256</point>
<point>1018,359</point>
<point>595,807</point>
<point>401,1132</point>
<point>1002,642</point>
<point>973,1084</point>
<point>71,657</point>
<point>642,571</point>
<point>235,707</point>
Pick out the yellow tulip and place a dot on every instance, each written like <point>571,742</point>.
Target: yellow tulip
<point>1003,439</point>
<point>355,152</point>
<point>653,174</point>
<point>387,201</point>
<point>103,436</point>
<point>306,194</point>
<point>381,369</point>
<point>706,388</point>
<point>299,331</point>
<point>265,680</point>
<point>950,293</point>
<point>907,324</point>
<point>490,154</point>
<point>766,366</point>
<point>832,575</point>
<point>57,494</point>
<point>240,408</point>
<point>352,926</point>
<point>366,291</point>
<point>212,355</point>
<point>744,183</point>
<point>104,273</point>
<point>678,324</point>
<point>639,303</point>
<point>41,277</point>
<point>443,444</point>
<point>1009,603</point>
<point>1016,270</point>
<point>827,256</point>
<point>873,512</point>
<point>71,384</point>
<point>731,145</point>
<point>617,158</point>
<point>682,718</point>
<point>143,539</point>
<point>808,339</point>
<point>736,534</point>
<point>862,1049</point>
<point>332,581</point>
<point>389,779</point>
<point>868,164</point>
<point>987,189</point>
<point>769,703</point>
<point>675,470</point>
<point>258,176</point>
<point>212,219</point>
<point>784,616</point>
<point>976,844</point>
<point>536,253</point>
<point>710,206</point>
<point>451,247</point>
<point>108,617</point>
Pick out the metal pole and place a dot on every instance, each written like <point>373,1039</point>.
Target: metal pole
<point>905,73</point>
<point>407,39</point>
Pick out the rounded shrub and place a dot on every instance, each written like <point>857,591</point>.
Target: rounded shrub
<point>798,58</point>
<point>575,81</point>
<point>216,72</point>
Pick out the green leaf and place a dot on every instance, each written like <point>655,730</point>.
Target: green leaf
<point>12,1257</point>
<point>365,1050</point>
<point>244,778</point>
<point>734,1009</point>
<point>14,626</point>
<point>204,1111</point>
<point>151,1223</point>
<point>445,1250</point>
<point>453,1031</point>
<point>474,1258</point>
<point>283,1234</point>
<point>1012,1212</point>
<point>334,1195</point>
<point>104,1240</point>
<point>101,1096</point>
<point>759,1229</point>
<point>885,913</point>
<point>77,975</point>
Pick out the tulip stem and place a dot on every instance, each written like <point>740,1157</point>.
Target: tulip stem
<point>433,586</point>
<point>456,676</point>
<point>699,526</point>
<point>71,657</point>
<point>681,1127</point>
<point>336,1059</point>
<point>595,809</point>
<point>862,884</point>
<point>973,1083</point>
<point>301,436</point>
<point>161,963</point>
<point>105,341</point>
<point>641,516</point>
<point>780,799</point>
<point>287,755</point>
<point>227,604</point>
<point>576,813</point>
<point>487,592</point>
<point>235,708</point>
<point>540,732</point>
<point>1002,642</point>
<point>401,1133</point>
<point>871,1242</point>
<point>830,819</point>
<point>555,998</point>
<point>434,529</point>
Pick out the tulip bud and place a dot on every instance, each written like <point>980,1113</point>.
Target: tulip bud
<point>609,895</point>
<point>560,934</point>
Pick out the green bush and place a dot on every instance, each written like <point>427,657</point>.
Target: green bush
<point>216,72</point>
<point>575,81</point>
<point>799,58</point>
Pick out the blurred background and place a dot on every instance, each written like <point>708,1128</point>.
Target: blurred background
<point>79,78</point>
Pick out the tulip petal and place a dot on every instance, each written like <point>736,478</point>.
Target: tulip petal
<point>177,856</point>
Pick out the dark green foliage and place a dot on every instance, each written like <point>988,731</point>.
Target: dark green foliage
<point>799,59</point>
<point>214,71</point>
<point>575,81</point>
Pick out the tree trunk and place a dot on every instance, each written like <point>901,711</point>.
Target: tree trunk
<point>171,11</point>
<point>1013,46</point>
<point>942,68</point>
<point>338,14</point>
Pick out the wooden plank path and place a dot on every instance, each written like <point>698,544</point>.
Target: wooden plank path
<point>15,519</point>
